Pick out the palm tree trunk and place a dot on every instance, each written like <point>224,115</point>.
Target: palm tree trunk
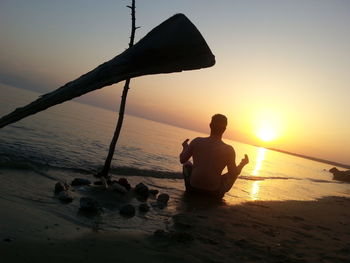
<point>107,165</point>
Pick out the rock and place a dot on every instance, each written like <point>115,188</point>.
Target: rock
<point>118,188</point>
<point>163,199</point>
<point>80,181</point>
<point>127,210</point>
<point>142,190</point>
<point>124,182</point>
<point>65,196</point>
<point>61,186</point>
<point>90,205</point>
<point>144,207</point>
<point>8,239</point>
<point>153,192</point>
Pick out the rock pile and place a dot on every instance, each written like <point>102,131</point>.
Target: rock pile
<point>122,186</point>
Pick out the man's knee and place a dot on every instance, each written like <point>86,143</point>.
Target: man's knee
<point>227,182</point>
<point>186,173</point>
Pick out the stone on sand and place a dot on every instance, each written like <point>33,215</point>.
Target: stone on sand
<point>124,182</point>
<point>65,196</point>
<point>118,188</point>
<point>163,199</point>
<point>61,186</point>
<point>142,190</point>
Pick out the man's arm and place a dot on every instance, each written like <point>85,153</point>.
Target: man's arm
<point>233,169</point>
<point>186,153</point>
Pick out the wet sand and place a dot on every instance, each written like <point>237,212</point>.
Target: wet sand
<point>190,229</point>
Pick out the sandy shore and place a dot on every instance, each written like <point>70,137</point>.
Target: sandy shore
<point>189,230</point>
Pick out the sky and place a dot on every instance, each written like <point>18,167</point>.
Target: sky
<point>281,66</point>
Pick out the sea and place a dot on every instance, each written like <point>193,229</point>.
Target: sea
<point>72,139</point>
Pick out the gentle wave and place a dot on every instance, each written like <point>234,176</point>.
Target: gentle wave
<point>121,170</point>
<point>127,171</point>
<point>260,178</point>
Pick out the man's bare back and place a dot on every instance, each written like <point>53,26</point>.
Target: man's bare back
<point>210,157</point>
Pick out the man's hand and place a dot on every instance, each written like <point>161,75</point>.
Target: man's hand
<point>185,154</point>
<point>185,143</point>
<point>245,160</point>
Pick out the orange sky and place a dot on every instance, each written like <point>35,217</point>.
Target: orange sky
<point>284,63</point>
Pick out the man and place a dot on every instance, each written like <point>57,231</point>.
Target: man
<point>210,156</point>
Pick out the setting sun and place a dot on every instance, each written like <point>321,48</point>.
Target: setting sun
<point>268,125</point>
<point>266,134</point>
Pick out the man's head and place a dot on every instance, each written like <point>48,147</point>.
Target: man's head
<point>218,124</point>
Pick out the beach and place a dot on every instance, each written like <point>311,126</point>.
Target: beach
<point>189,229</point>
<point>99,125</point>
<point>282,208</point>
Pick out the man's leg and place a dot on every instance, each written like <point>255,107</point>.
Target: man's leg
<point>227,182</point>
<point>186,172</point>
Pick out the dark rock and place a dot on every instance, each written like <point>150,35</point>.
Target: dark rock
<point>153,192</point>
<point>163,199</point>
<point>61,186</point>
<point>80,181</point>
<point>144,207</point>
<point>142,190</point>
<point>118,188</point>
<point>127,210</point>
<point>90,205</point>
<point>8,239</point>
<point>65,196</point>
<point>124,182</point>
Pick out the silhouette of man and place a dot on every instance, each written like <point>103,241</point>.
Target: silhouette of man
<point>210,156</point>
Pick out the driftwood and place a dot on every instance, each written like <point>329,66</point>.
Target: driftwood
<point>107,165</point>
<point>173,46</point>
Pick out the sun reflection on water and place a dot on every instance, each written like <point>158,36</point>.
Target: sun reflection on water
<point>254,194</point>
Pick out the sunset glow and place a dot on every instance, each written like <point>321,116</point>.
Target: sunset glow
<point>268,124</point>
<point>266,133</point>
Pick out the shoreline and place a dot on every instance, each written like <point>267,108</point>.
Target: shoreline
<point>345,166</point>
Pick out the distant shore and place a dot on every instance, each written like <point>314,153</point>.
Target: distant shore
<point>345,166</point>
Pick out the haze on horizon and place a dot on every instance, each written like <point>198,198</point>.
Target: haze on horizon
<point>281,66</point>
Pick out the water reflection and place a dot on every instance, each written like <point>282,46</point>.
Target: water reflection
<point>254,193</point>
<point>255,190</point>
<point>259,159</point>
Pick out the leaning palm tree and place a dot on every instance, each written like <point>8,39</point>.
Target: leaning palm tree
<point>173,46</point>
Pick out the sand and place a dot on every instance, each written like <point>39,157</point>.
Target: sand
<point>190,229</point>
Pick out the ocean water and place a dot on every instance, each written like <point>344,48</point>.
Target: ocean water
<point>72,139</point>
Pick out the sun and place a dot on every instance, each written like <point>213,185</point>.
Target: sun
<point>268,125</point>
<point>267,133</point>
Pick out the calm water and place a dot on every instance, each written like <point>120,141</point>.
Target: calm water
<point>74,137</point>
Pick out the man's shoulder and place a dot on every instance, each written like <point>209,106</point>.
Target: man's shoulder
<point>198,139</point>
<point>228,147</point>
